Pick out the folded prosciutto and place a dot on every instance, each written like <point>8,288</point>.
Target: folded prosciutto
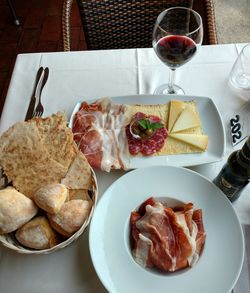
<point>100,134</point>
<point>165,238</point>
<point>105,133</point>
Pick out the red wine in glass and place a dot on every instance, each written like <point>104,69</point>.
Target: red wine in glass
<point>175,50</point>
<point>177,36</point>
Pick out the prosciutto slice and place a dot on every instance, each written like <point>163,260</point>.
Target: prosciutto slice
<point>165,238</point>
<point>99,133</point>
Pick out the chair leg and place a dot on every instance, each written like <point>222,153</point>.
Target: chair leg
<point>13,12</point>
<point>66,13</point>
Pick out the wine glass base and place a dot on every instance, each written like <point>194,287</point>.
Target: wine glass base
<point>164,89</point>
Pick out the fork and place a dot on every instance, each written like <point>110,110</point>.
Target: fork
<point>39,108</point>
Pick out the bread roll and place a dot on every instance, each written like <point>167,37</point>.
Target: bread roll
<point>37,234</point>
<point>71,217</point>
<point>15,210</point>
<point>51,197</point>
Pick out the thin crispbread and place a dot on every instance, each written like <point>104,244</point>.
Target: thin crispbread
<point>79,194</point>
<point>57,138</point>
<point>26,161</point>
<point>79,173</point>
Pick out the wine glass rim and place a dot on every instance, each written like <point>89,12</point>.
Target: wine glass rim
<point>244,49</point>
<point>185,8</point>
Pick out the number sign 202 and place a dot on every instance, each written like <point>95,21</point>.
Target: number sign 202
<point>236,129</point>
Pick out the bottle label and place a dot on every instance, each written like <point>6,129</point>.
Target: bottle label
<point>227,187</point>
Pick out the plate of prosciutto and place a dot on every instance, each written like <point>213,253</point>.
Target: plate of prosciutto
<point>149,233</point>
<point>146,130</point>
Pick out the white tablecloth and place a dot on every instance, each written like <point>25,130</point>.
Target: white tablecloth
<point>85,75</point>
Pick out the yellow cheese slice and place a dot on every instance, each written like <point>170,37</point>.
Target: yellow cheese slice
<point>198,140</point>
<point>176,107</point>
<point>187,119</point>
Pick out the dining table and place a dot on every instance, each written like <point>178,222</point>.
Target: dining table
<point>86,75</point>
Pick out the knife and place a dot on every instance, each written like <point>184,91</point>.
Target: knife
<point>32,103</point>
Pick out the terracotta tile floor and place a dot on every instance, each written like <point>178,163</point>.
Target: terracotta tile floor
<point>40,31</point>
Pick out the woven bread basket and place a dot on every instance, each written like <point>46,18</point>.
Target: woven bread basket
<point>9,240</point>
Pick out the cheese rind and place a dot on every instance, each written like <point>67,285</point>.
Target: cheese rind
<point>187,119</point>
<point>176,107</point>
<point>198,140</point>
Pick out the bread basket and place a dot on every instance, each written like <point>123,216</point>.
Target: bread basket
<point>9,240</point>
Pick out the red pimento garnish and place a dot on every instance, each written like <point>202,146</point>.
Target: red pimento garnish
<point>145,134</point>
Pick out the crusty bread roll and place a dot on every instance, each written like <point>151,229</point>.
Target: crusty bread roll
<point>71,217</point>
<point>51,197</point>
<point>37,234</point>
<point>15,210</point>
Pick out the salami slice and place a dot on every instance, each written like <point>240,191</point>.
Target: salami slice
<point>146,145</point>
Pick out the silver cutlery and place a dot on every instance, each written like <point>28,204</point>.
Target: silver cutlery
<point>30,110</point>
<point>39,108</point>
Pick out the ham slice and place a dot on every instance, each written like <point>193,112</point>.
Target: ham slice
<point>165,238</point>
<point>99,133</point>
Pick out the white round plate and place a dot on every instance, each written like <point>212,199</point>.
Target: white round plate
<point>221,260</point>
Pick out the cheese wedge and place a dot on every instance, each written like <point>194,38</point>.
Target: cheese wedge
<point>198,140</point>
<point>176,107</point>
<point>187,119</point>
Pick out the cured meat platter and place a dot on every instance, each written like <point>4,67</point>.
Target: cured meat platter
<point>209,116</point>
<point>114,260</point>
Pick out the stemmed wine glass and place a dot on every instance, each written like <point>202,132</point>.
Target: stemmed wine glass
<point>177,35</point>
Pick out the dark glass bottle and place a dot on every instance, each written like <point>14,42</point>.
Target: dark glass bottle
<point>235,174</point>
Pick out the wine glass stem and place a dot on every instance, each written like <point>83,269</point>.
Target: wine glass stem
<point>171,81</point>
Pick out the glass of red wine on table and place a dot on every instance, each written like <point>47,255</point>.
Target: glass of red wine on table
<point>177,35</point>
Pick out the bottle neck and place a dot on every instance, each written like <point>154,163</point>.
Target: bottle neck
<point>241,161</point>
<point>246,149</point>
<point>244,154</point>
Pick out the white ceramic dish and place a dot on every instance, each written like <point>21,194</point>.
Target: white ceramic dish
<point>211,122</point>
<point>221,261</point>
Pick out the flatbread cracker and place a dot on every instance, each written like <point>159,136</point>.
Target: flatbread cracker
<point>79,173</point>
<point>26,161</point>
<point>79,194</point>
<point>57,138</point>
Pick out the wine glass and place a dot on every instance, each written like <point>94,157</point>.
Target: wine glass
<point>177,35</point>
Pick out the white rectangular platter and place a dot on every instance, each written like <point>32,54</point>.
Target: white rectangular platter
<point>211,123</point>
